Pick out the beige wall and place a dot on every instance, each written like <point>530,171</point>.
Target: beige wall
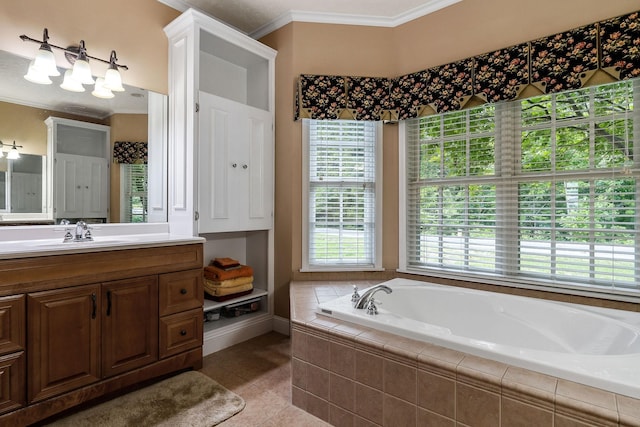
<point>26,126</point>
<point>465,29</point>
<point>134,29</point>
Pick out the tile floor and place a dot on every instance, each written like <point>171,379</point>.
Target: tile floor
<point>259,370</point>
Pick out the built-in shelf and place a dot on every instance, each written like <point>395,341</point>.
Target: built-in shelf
<point>212,305</point>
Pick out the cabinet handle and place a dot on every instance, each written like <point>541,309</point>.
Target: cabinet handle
<point>183,291</point>
<point>108,303</point>
<point>95,306</point>
<point>183,332</point>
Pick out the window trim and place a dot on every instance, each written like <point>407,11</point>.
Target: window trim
<point>306,266</point>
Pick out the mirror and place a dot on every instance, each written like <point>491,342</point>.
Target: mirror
<point>26,184</point>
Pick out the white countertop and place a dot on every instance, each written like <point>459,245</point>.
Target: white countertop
<point>34,241</point>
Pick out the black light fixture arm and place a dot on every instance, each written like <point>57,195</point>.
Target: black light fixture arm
<point>73,52</point>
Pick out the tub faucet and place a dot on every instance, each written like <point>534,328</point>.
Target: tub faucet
<point>367,302</point>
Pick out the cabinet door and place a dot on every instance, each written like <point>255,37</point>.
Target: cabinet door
<point>63,340</point>
<point>96,187</point>
<point>68,187</point>
<point>130,325</point>
<point>235,166</point>
<point>81,186</point>
<point>12,321</point>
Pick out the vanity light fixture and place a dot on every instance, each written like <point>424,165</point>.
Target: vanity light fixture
<point>13,152</point>
<point>44,66</point>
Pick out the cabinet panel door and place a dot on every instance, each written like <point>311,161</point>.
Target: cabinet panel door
<point>12,321</point>
<point>130,325</point>
<point>68,187</point>
<point>260,152</point>
<point>63,340</point>
<point>96,187</point>
<point>235,161</point>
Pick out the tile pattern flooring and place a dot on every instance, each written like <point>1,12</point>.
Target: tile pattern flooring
<point>259,370</point>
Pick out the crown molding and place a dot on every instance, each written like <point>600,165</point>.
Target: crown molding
<point>335,18</point>
<point>351,19</point>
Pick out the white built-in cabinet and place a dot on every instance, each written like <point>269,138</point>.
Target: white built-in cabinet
<point>79,155</point>
<point>221,157</point>
<point>236,172</point>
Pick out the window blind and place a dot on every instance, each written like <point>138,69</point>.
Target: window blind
<point>537,190</point>
<point>133,179</point>
<point>342,172</point>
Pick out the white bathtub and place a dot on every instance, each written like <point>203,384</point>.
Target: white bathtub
<point>590,345</point>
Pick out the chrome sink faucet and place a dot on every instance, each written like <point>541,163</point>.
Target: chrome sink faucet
<point>82,232</point>
<point>366,301</point>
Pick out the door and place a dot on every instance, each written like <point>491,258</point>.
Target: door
<point>235,162</point>
<point>63,329</point>
<point>130,325</point>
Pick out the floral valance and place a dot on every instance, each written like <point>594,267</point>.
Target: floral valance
<point>560,62</point>
<point>130,152</point>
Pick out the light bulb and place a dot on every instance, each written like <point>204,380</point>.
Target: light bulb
<point>45,61</point>
<point>35,75</point>
<point>13,153</point>
<point>100,91</point>
<point>113,80</point>
<point>82,72</point>
<point>71,84</point>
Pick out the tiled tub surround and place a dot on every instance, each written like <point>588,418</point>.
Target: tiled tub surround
<point>351,375</point>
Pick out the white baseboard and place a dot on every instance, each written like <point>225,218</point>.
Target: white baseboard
<point>282,325</point>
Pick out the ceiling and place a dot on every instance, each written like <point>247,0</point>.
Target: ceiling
<point>260,17</point>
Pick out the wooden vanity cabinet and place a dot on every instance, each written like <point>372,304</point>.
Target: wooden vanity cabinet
<point>70,335</point>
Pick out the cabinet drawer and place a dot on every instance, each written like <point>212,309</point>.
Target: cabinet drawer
<point>180,332</point>
<point>12,382</point>
<point>12,321</point>
<point>181,291</point>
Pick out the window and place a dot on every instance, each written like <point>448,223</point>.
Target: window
<point>133,192</point>
<point>342,195</point>
<point>538,191</point>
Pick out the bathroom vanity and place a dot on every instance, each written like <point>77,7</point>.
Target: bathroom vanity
<point>82,320</point>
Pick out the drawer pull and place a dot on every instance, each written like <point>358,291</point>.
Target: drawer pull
<point>183,291</point>
<point>183,332</point>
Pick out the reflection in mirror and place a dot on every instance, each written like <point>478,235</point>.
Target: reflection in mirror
<point>136,116</point>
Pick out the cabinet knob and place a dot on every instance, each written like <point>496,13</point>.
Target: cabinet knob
<point>183,291</point>
<point>183,332</point>
<point>235,165</point>
<point>244,166</point>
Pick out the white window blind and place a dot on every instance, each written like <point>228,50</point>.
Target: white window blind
<point>342,194</point>
<point>541,190</point>
<point>133,192</point>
